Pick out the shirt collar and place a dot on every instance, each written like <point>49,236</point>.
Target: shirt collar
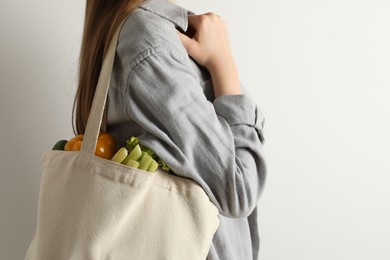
<point>168,10</point>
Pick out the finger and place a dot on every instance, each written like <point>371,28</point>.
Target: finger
<point>193,20</point>
<point>186,41</point>
<point>189,44</point>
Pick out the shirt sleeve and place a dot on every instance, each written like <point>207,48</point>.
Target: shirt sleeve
<point>218,144</point>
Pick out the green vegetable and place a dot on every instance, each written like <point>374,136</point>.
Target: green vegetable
<point>145,161</point>
<point>132,163</point>
<point>120,156</point>
<point>60,145</point>
<point>142,157</point>
<point>135,154</point>
<point>163,165</point>
<point>153,166</point>
<point>148,151</point>
<point>130,144</point>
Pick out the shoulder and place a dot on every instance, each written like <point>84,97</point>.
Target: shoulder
<point>145,33</point>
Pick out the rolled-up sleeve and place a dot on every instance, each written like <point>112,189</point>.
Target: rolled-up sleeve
<point>218,144</point>
<point>239,109</point>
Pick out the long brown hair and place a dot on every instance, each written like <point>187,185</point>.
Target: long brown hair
<point>102,18</point>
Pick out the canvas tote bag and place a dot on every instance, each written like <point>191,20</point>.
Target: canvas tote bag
<point>93,208</point>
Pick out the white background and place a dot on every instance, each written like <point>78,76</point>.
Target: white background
<point>320,72</point>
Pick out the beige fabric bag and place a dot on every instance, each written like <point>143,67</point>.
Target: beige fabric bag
<point>92,208</point>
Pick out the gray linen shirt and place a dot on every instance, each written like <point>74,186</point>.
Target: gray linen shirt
<point>160,94</point>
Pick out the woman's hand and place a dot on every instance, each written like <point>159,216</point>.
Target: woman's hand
<point>210,47</point>
<point>210,44</point>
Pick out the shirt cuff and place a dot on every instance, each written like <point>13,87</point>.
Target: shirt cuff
<point>236,109</point>
<point>240,109</point>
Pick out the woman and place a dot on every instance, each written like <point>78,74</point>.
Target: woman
<point>175,85</point>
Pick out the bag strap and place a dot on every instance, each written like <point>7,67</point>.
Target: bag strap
<point>95,117</point>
